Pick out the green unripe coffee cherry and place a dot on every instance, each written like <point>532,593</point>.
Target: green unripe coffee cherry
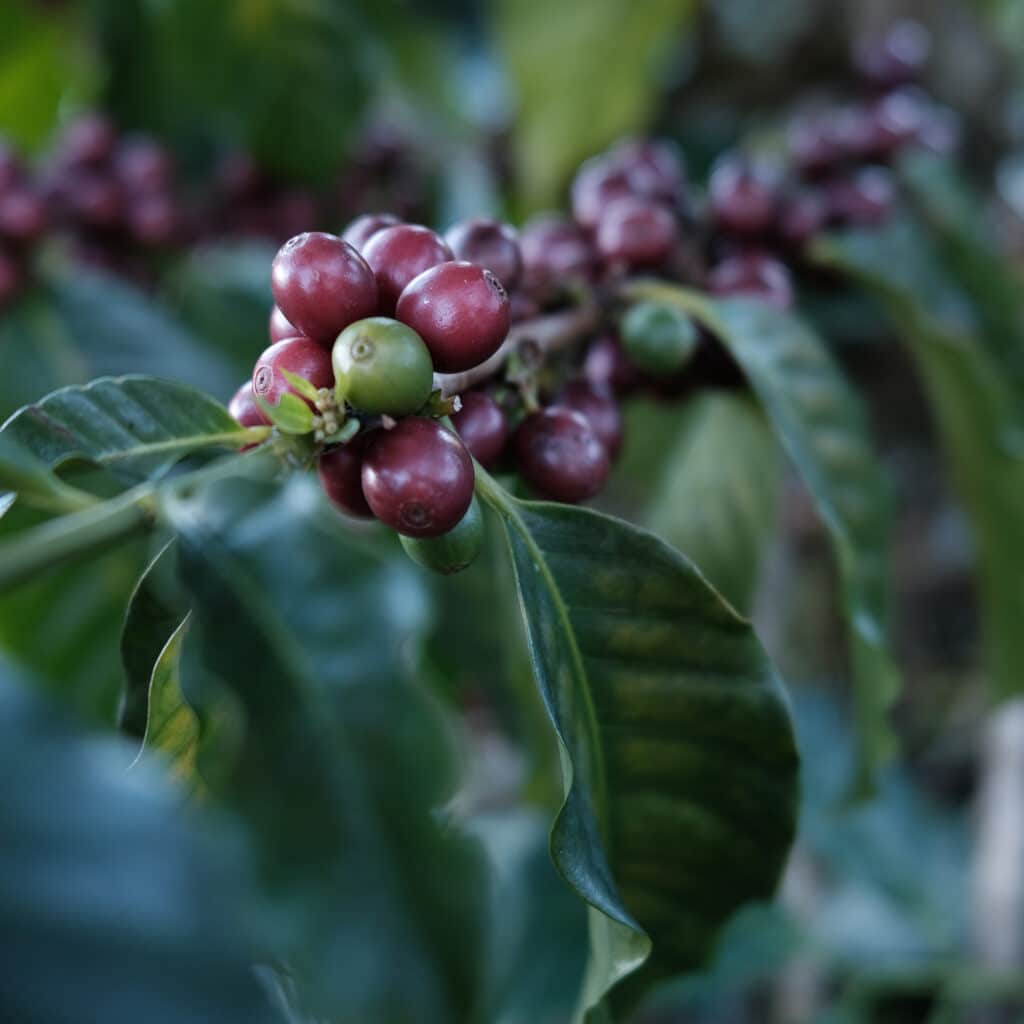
<point>382,366</point>
<point>452,551</point>
<point>659,339</point>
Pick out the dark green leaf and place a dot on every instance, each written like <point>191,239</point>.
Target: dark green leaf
<point>717,498</point>
<point>680,764</point>
<point>115,908</point>
<point>823,428</point>
<point>343,761</point>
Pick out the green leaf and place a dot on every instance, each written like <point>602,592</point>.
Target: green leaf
<point>976,407</point>
<point>718,493</point>
<point>291,415</point>
<point>823,427</point>
<point>581,79</point>
<point>679,763</point>
<point>122,909</point>
<point>343,761</point>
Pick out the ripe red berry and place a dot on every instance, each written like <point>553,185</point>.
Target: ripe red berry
<point>864,199</point>
<point>341,475</point>
<point>560,455</point>
<point>11,169</point>
<point>460,311</point>
<point>280,327</point>
<point>143,165</point>
<point>322,285</point>
<point>397,255</point>
<point>244,409</point>
<point>89,141</point>
<point>96,199</point>
<point>637,232</point>
<point>753,274</point>
<point>597,404</point>
<point>812,144</point>
<point>743,196</point>
<point>607,365</point>
<point>22,215</point>
<point>153,219</point>
<point>653,168</point>
<point>802,216</point>
<point>363,228</point>
<point>555,253</point>
<point>896,120</point>
<point>483,427</point>
<point>489,244</point>
<point>418,478</point>
<point>299,356</point>
<point>598,182</point>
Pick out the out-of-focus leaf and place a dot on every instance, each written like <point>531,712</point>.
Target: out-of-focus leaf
<point>343,760</point>
<point>114,908</point>
<point>717,498</point>
<point>977,411</point>
<point>582,75</point>
<point>678,753</point>
<point>823,428</point>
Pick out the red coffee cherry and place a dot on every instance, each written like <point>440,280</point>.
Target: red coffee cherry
<point>555,252</point>
<point>143,165</point>
<point>244,409</point>
<point>743,196</point>
<point>88,141</point>
<point>865,199</point>
<point>483,427</point>
<point>418,478</point>
<point>397,255</point>
<point>22,215</point>
<point>812,144</point>
<point>280,327</point>
<point>598,182</point>
<point>153,219</point>
<point>460,311</point>
<point>11,169</point>
<point>753,274</point>
<point>597,404</point>
<point>322,285</point>
<point>300,356</point>
<point>653,168</point>
<point>560,456</point>
<point>896,120</point>
<point>607,365</point>
<point>96,199</point>
<point>363,228</point>
<point>637,232</point>
<point>340,470</point>
<point>489,244</point>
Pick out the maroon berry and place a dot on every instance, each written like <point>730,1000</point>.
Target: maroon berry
<point>653,167</point>
<point>812,144</point>
<point>598,182</point>
<point>97,201</point>
<point>555,252</point>
<point>864,199</point>
<point>418,478</point>
<point>897,119</point>
<point>460,311</point>
<point>244,409</point>
<point>12,278</point>
<point>896,57</point>
<point>322,285</point>
<point>522,307</point>
<point>153,219</point>
<point>22,215</point>
<point>940,132</point>
<point>341,475</point>
<point>560,455</point>
<point>489,244</point>
<point>753,274</point>
<point>853,132</point>
<point>597,404</point>
<point>143,165</point>
<point>483,427</point>
<point>280,327</point>
<point>608,366</point>
<point>89,141</point>
<point>238,176</point>
<point>743,196</point>
<point>803,215</point>
<point>363,228</point>
<point>299,356</point>
<point>11,169</point>
<point>637,232</point>
<point>397,255</point>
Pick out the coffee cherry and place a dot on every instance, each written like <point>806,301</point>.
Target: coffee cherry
<point>896,120</point>
<point>560,455</point>
<point>460,311</point>
<point>322,285</point>
<point>598,182</point>
<point>382,366</point>
<point>298,356</point>
<point>244,409</point>
<point>653,168</point>
<point>637,232</point>
<point>753,274</point>
<point>453,551</point>
<point>96,200</point>
<point>22,215</point>
<point>743,196</point>
<point>853,132</point>
<point>895,58</point>
<point>607,365</point>
<point>865,199</point>
<point>12,278</point>
<point>418,478</point>
<point>812,145</point>
<point>143,165</point>
<point>522,307</point>
<point>555,253</point>
<point>489,244</point>
<point>88,141</point>
<point>153,219</point>
<point>400,253</point>
<point>803,215</point>
<point>658,339</point>
<point>363,228</point>
<point>597,405</point>
<point>483,427</point>
<point>280,327</point>
<point>11,169</point>
<point>340,470</point>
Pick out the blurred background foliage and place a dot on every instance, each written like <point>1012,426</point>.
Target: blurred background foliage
<point>499,102</point>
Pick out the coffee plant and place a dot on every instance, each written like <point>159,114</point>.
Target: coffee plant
<point>434,563</point>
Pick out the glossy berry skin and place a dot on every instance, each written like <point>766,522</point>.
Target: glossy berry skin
<point>363,228</point>
<point>452,551</point>
<point>280,327</point>
<point>560,456</point>
<point>742,196</point>
<point>483,427</point>
<point>418,478</point>
<point>322,285</point>
<point>243,408</point>
<point>754,275</point>
<point>489,244</point>
<point>400,253</point>
<point>340,470</point>
<point>636,232</point>
<point>461,312</point>
<point>598,406</point>
<point>382,366</point>
<point>300,356</point>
